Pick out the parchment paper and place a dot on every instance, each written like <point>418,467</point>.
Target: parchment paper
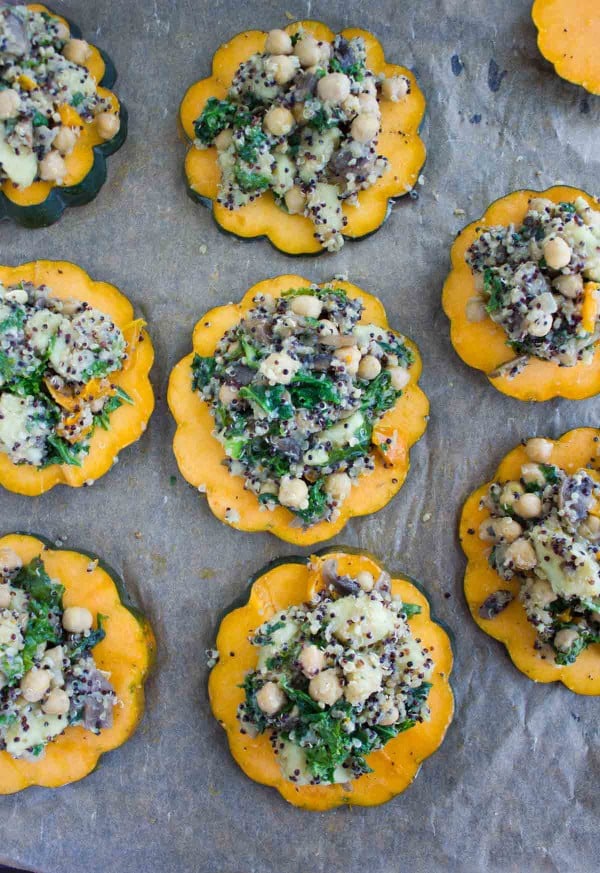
<point>515,785</point>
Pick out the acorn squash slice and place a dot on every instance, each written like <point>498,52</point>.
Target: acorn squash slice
<point>575,449</point>
<point>200,455</point>
<point>568,37</point>
<point>294,580</point>
<point>43,203</point>
<point>399,141</point>
<point>128,422</point>
<point>126,652</point>
<point>483,344</point>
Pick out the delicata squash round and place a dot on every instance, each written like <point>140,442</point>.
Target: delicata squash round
<point>532,540</point>
<point>74,386</point>
<point>323,729</point>
<point>523,294</point>
<point>56,129</point>
<point>302,106</point>
<point>80,654</point>
<point>297,408</point>
<point>568,36</point>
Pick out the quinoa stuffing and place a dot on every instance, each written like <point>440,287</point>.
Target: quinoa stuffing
<point>545,533</point>
<point>43,75</point>
<point>540,282</point>
<point>48,677</point>
<point>302,120</point>
<point>56,357</point>
<point>336,678</point>
<point>296,389</point>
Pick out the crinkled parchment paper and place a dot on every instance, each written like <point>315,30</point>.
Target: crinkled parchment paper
<point>515,785</point>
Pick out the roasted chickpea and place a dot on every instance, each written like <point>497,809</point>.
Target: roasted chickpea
<point>338,486</point>
<point>350,357</point>
<point>283,68</point>
<point>499,530</point>
<point>77,619</point>
<point>293,493</point>
<point>539,450</point>
<point>65,140</point>
<point>9,103</point>
<point>364,128</point>
<point>521,555</point>
<point>395,88</point>
<point>311,660</point>
<point>565,638</point>
<point>228,393</point>
<point>400,377</point>
<point>34,684</point>
<point>278,121</point>
<point>52,167</point>
<point>369,367</point>
<point>77,51</point>
<point>307,305</point>
<point>528,506</point>
<point>569,285</point>
<point>307,51</point>
<point>326,687</point>
<point>295,200</point>
<point>557,252</point>
<point>57,702</point>
<point>270,698</point>
<point>224,139</point>
<point>278,42</point>
<point>334,87</point>
<point>108,125</point>
<point>9,561</point>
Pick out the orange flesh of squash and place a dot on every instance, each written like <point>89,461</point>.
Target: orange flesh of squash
<point>399,141</point>
<point>568,37</point>
<point>483,344</point>
<point>126,653</point>
<point>576,449</point>
<point>290,582</point>
<point>200,455</point>
<point>128,422</point>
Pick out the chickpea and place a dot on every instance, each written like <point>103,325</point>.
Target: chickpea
<point>327,327</point>
<point>557,252</point>
<point>591,217</point>
<point>350,357</point>
<point>108,125</point>
<point>228,393</point>
<point>570,285</point>
<point>528,506</point>
<point>77,51</point>
<point>307,51</point>
<point>293,493</point>
<point>77,619</point>
<point>224,139</point>
<point>9,561</point>
<point>365,580</point>
<point>295,200</point>
<point>351,105</point>
<point>565,638</point>
<point>395,89</point>
<point>521,555</point>
<point>540,204</point>
<point>298,112</point>
<point>65,140</point>
<point>390,716</point>
<point>590,528</point>
<point>539,323</point>
<point>364,128</point>
<point>499,530</point>
<point>325,51</point>
<point>9,103</point>
<point>400,377</point>
<point>541,593</point>
<point>531,474</point>
<point>278,42</point>
<point>369,368</point>
<point>326,687</point>
<point>307,305</point>
<point>52,168</point>
<point>311,660</point>
<point>368,104</point>
<point>278,121</point>
<point>279,367</point>
<point>338,486</point>
<point>475,310</point>
<point>57,702</point>
<point>511,492</point>
<point>62,31</point>
<point>539,450</point>
<point>334,87</point>
<point>283,68</point>
<point>270,698</point>
<point>5,596</point>
<point>34,684</point>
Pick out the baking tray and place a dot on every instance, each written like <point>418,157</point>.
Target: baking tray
<point>515,785</point>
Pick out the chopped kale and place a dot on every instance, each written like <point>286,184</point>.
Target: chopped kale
<point>215,117</point>
<point>494,287</point>
<point>306,390</point>
<point>202,371</point>
<point>87,642</point>
<point>270,399</point>
<point>250,181</point>
<point>254,141</point>
<point>62,452</point>
<point>378,395</point>
<point>317,504</point>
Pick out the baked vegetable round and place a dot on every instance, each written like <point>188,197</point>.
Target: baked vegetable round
<point>293,423</point>
<point>522,295</point>
<point>58,119</point>
<point>568,36</point>
<point>531,537</point>
<point>91,627</point>
<point>403,730</point>
<point>74,386</point>
<point>335,98</point>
